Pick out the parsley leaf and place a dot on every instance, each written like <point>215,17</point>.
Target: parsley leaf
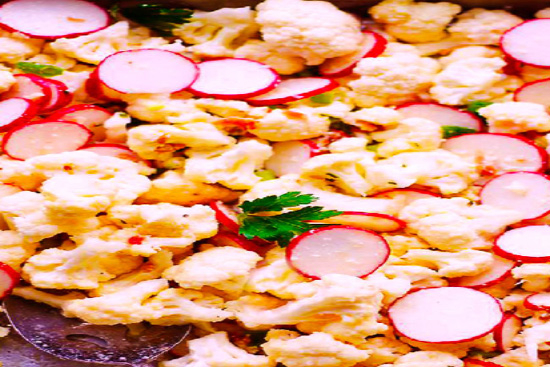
<point>274,203</point>
<point>477,105</point>
<point>450,131</point>
<point>157,17</point>
<point>323,98</point>
<point>39,69</point>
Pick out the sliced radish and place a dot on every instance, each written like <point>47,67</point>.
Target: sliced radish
<point>534,92</point>
<point>97,90</point>
<point>8,279</point>
<point>538,302</point>
<point>500,270</point>
<point>30,86</point>
<point>525,192</point>
<point>45,137</point>
<point>147,71</point>
<point>337,250</point>
<point>226,216</point>
<point>372,45</point>
<point>89,115</point>
<point>53,19</point>
<point>471,362</point>
<point>528,43</point>
<point>234,78</point>
<point>529,244</point>
<point>443,115</point>
<point>445,315</point>
<point>498,153</point>
<point>506,332</point>
<point>60,95</point>
<point>294,89</point>
<point>373,221</point>
<point>406,195</point>
<point>232,239</point>
<point>113,150</point>
<point>16,111</point>
<point>289,156</point>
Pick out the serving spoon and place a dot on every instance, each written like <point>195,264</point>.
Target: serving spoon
<point>74,340</point>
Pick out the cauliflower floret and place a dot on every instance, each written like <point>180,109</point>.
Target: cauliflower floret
<point>218,33</point>
<point>415,22</point>
<point>451,264</point>
<point>224,268</point>
<point>534,277</point>
<point>15,47</point>
<point>469,52</point>
<point>349,145</point>
<point>463,81</point>
<point>76,84</point>
<point>116,130</point>
<point>6,80</point>
<point>269,54</point>
<point>516,358</point>
<point>383,349</point>
<point>411,135</point>
<point>343,306</point>
<point>233,167</point>
<point>81,267</point>
<point>482,26</point>
<point>160,142</point>
<point>428,359</point>
<point>180,307</point>
<point>291,124</point>
<point>454,224</point>
<point>51,58</point>
<point>400,244</point>
<point>382,116</point>
<point>440,169</point>
<point>317,349</point>
<point>313,30</point>
<point>534,336</point>
<point>418,276</point>
<point>122,307</point>
<point>274,276</point>
<point>543,13</point>
<point>391,287</point>
<point>216,350</point>
<point>516,117</point>
<point>392,80</point>
<point>14,250</point>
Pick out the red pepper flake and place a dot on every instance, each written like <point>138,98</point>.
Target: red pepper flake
<point>135,240</point>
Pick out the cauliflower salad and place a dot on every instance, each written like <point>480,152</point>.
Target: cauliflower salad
<point>302,185</point>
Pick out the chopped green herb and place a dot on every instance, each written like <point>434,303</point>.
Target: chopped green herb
<point>39,69</point>
<point>284,226</point>
<point>266,175</point>
<point>337,124</point>
<point>323,98</point>
<point>373,147</point>
<point>157,17</point>
<point>477,105</point>
<point>450,131</point>
<point>276,107</point>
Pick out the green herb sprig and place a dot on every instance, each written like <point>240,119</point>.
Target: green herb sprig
<point>157,17</point>
<point>43,70</point>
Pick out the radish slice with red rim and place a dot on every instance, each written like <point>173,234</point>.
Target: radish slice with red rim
<point>53,19</point>
<point>113,150</point>
<point>97,90</point>
<point>289,156</point>
<point>9,278</point>
<point>538,302</point>
<point>226,216</point>
<point>373,45</point>
<point>89,115</point>
<point>235,240</point>
<point>234,78</point>
<point>500,270</point>
<point>534,92</point>
<point>16,111</point>
<point>407,195</point>
<point>471,362</point>
<point>525,192</point>
<point>506,332</point>
<point>60,95</point>
<point>45,137</point>
<point>30,86</point>
<point>147,71</point>
<point>498,153</point>
<point>445,315</point>
<point>443,115</point>
<point>337,250</point>
<point>528,43</point>
<point>373,221</point>
<point>529,244</point>
<point>290,90</point>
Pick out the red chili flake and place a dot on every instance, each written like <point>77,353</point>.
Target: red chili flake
<point>135,240</point>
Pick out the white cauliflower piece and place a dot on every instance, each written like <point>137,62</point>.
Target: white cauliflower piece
<point>313,30</point>
<point>463,81</point>
<point>218,33</point>
<point>439,169</point>
<point>216,350</point>
<point>451,264</point>
<point>391,287</point>
<point>232,167</point>
<point>76,84</point>
<point>14,250</point>
<point>415,275</point>
<point>116,128</point>
<point>534,336</point>
<point>6,80</point>
<point>543,13</point>
<point>400,244</point>
<point>381,116</point>
<point>383,349</point>
<point>160,142</point>
<point>343,306</point>
<point>393,79</point>
<point>414,22</point>
<point>122,307</point>
<point>482,26</point>
<point>454,224</point>
<point>317,349</point>
<point>15,47</point>
<point>468,52</point>
<point>179,307</point>
<point>534,277</point>
<point>411,135</point>
<point>224,268</point>
<point>516,117</point>
<point>517,357</point>
<point>428,359</point>
<point>269,54</point>
<point>291,124</point>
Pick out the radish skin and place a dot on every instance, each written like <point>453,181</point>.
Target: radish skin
<point>538,302</point>
<point>528,43</point>
<point>89,115</point>
<point>113,150</point>
<point>15,112</point>
<point>507,330</point>
<point>372,221</point>
<point>232,239</point>
<point>30,86</point>
<point>290,90</point>
<point>471,362</point>
<point>443,115</point>
<point>500,270</point>
<point>9,278</point>
<point>530,244</point>
<point>537,91</point>
<point>226,216</point>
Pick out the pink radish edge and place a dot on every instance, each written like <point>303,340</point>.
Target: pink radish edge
<point>506,331</point>
<point>265,100</point>
<point>389,223</point>
<point>225,215</point>
<point>540,97</point>
<point>113,150</point>
<point>478,362</point>
<point>28,114</point>
<point>531,302</point>
<point>60,95</point>
<point>225,238</point>
<point>507,34</point>
<point>467,114</point>
<point>490,277</point>
<point>41,101</point>
<point>499,249</point>
<point>11,279</point>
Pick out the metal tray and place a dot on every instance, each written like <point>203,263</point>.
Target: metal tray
<point>14,352</point>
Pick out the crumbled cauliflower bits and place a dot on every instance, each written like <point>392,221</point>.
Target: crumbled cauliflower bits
<point>483,27</point>
<point>516,117</point>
